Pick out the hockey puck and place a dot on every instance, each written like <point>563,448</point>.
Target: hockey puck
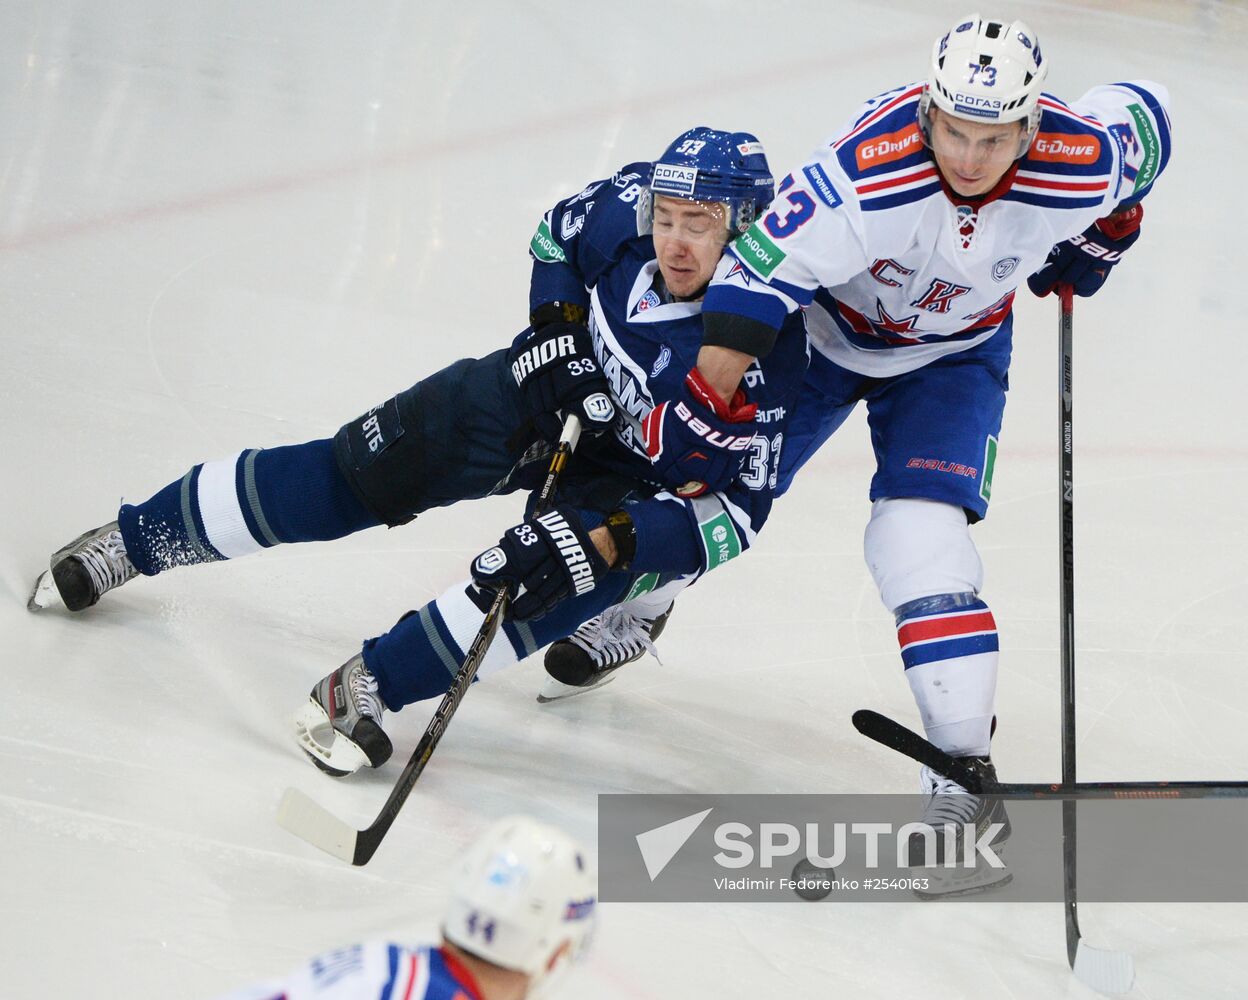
<point>812,882</point>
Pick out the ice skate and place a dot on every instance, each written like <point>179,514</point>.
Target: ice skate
<point>950,803</point>
<point>596,650</point>
<point>339,727</point>
<point>84,570</point>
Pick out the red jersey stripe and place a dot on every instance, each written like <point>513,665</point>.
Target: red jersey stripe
<point>411,980</point>
<point>922,175</point>
<point>1063,185</point>
<point>1064,109</point>
<point>945,628</point>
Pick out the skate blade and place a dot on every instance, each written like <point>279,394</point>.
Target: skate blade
<point>341,758</point>
<point>44,594</point>
<point>553,690</point>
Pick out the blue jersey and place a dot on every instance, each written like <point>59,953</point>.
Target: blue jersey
<point>374,971</point>
<point>587,251</point>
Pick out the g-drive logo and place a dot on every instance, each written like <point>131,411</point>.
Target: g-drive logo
<point>960,846</point>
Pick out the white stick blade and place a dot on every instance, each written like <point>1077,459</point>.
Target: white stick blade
<point>44,594</point>
<point>1110,972</point>
<point>310,821</point>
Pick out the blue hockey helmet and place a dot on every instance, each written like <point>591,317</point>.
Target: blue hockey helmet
<point>705,164</point>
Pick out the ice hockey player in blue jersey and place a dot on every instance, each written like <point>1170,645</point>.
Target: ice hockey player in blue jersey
<point>903,241</point>
<point>521,914</point>
<point>676,481</point>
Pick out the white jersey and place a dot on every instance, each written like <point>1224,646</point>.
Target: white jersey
<point>374,971</point>
<point>893,268</point>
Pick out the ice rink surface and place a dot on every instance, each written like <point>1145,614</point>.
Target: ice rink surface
<point>227,225</point>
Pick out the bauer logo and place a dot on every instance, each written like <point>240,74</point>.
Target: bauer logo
<point>672,179</point>
<point>822,185</point>
<point>888,148</point>
<point>754,248</point>
<point>1056,147</point>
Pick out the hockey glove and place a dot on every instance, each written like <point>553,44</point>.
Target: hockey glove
<point>1083,261</point>
<point>543,561</point>
<point>557,373</point>
<point>696,441</point>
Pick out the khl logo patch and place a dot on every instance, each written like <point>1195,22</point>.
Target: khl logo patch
<point>1003,268</point>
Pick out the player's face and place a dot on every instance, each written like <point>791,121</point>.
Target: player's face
<point>973,156</point>
<point>689,239</point>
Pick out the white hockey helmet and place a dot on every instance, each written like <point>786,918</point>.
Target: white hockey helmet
<point>522,892</point>
<point>986,71</point>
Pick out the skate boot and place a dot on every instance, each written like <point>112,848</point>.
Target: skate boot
<point>84,570</point>
<point>596,650</point>
<point>340,726</point>
<point>950,803</point>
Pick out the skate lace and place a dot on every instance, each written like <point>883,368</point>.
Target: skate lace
<point>948,802</point>
<point>107,562</point>
<point>364,693</point>
<point>614,636</point>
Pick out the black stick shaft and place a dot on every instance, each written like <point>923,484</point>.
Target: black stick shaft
<point>895,736</point>
<point>1066,516</point>
<point>1066,493</point>
<point>369,839</point>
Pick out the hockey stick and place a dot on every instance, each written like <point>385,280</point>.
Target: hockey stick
<point>306,818</point>
<point>897,737</point>
<point>1105,971</point>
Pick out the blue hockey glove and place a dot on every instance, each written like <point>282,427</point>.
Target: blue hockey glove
<point>557,372</point>
<point>543,561</point>
<point>1083,261</point>
<point>696,441</point>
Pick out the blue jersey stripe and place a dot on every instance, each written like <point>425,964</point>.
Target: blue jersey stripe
<point>755,305</point>
<point>1047,201</point>
<point>949,649</point>
<point>869,204</point>
<point>392,957</point>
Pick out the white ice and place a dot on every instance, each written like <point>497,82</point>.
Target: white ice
<point>239,224</point>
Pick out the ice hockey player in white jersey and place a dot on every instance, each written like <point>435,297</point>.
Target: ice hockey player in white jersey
<point>521,913</point>
<point>904,240</point>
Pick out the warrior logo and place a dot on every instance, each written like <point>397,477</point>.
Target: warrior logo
<point>491,560</point>
<point>599,408</point>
